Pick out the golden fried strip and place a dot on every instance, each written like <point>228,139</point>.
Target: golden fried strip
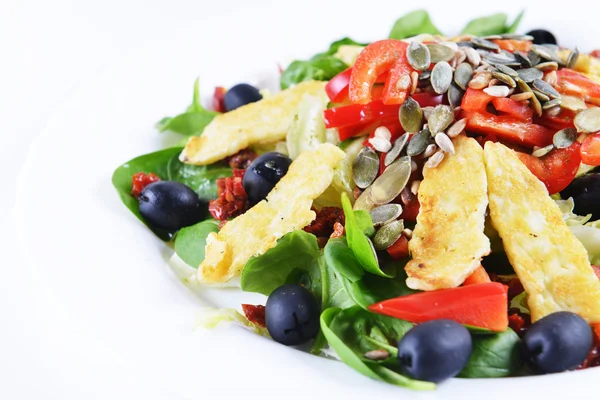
<point>287,208</point>
<point>448,241</point>
<point>265,121</point>
<point>551,263</point>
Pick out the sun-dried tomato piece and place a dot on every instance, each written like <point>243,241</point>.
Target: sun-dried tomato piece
<point>242,159</point>
<point>518,321</point>
<point>140,180</point>
<point>338,231</point>
<point>255,314</point>
<point>323,225</point>
<point>232,200</point>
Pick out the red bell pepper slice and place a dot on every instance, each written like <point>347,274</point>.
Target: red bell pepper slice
<point>556,169</point>
<point>399,82</point>
<point>428,99</point>
<point>576,84</point>
<point>399,249</point>
<point>484,305</point>
<point>513,45</point>
<point>354,114</point>
<point>590,150</point>
<point>218,99</point>
<point>563,120</point>
<point>475,100</point>
<point>508,128</point>
<point>479,276</point>
<point>337,84</point>
<point>515,109</point>
<point>374,60</point>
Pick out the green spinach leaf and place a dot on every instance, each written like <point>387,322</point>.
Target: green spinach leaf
<point>334,288</point>
<point>359,242</point>
<point>193,121</point>
<point>201,178</point>
<point>493,356</point>
<point>354,331</point>
<point>321,67</point>
<point>484,26</point>
<point>364,222</point>
<point>372,289</point>
<point>412,24</point>
<point>191,241</point>
<point>339,257</point>
<point>334,47</point>
<point>296,253</point>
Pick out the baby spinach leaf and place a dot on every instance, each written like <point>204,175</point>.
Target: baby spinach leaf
<point>491,25</point>
<point>339,257</point>
<point>296,252</point>
<point>193,121</point>
<point>364,222</point>
<point>493,356</point>
<point>358,242</point>
<point>372,289</point>
<point>412,24</point>
<point>334,288</point>
<point>334,47</point>
<point>515,25</point>
<point>354,331</point>
<point>201,178</point>
<point>191,241</point>
<point>321,67</point>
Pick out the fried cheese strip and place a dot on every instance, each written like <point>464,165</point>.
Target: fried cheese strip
<point>265,121</point>
<point>448,241</point>
<point>286,208</point>
<point>551,263</point>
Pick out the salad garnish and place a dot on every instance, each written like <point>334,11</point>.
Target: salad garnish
<point>420,207</point>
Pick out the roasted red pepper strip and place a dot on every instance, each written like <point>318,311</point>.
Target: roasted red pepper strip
<point>374,60</point>
<point>576,84</point>
<point>590,150</point>
<point>484,305</point>
<point>556,169</point>
<point>513,108</point>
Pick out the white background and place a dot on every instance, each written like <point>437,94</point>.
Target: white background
<point>47,49</point>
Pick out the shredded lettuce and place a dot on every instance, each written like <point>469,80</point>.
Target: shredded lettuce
<point>570,218</point>
<point>307,130</point>
<point>211,317</point>
<point>588,232</point>
<point>520,302</point>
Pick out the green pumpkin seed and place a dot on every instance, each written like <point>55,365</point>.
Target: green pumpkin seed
<point>411,116</point>
<point>501,58</point>
<point>386,213</point>
<point>588,120</point>
<point>547,53</point>
<point>439,52</point>
<point>543,151</point>
<point>418,56</point>
<point>574,103</point>
<point>473,56</point>
<point>564,138</point>
<point>507,70</point>
<point>418,143</point>
<point>523,59</point>
<point>441,117</point>
<point>551,103</point>
<point>365,167</point>
<point>492,37</point>
<point>389,184</point>
<point>388,234</point>
<point>463,74</point>
<point>541,96</point>
<point>364,201</point>
<point>441,77</point>
<point>546,88</point>
<point>535,103</point>
<point>485,44</point>
<point>516,36</point>
<point>534,58</point>
<point>455,96</point>
<point>397,148</point>
<point>530,74</point>
<point>425,75</point>
<point>504,78</point>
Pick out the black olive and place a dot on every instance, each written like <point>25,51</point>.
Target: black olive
<point>435,351</point>
<point>240,95</point>
<point>557,342</point>
<point>292,315</point>
<point>170,206</point>
<point>542,36</point>
<point>263,174</point>
<point>585,192</point>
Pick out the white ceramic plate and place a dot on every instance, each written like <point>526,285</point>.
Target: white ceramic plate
<point>109,273</point>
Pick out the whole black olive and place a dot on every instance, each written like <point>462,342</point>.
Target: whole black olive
<point>240,95</point>
<point>585,192</point>
<point>170,205</point>
<point>263,174</point>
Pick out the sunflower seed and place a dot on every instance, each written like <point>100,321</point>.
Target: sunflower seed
<point>472,56</point>
<point>430,150</point>
<point>480,80</point>
<point>404,83</point>
<point>457,128</point>
<point>572,59</point>
<point>541,96</point>
<point>547,66</point>
<point>535,103</point>
<point>383,214</point>
<point>574,103</point>
<point>406,196</point>
<point>414,78</point>
<point>380,144</point>
<point>414,187</point>
<point>455,95</point>
<point>492,37</point>
<point>523,59</point>
<point>377,355</point>
<point>364,201</point>
<point>545,88</point>
<point>441,77</point>
<point>551,103</point>
<point>389,184</point>
<point>407,233</point>
<point>492,82</point>
<point>411,116</point>
<point>397,148</point>
<point>588,120</point>
<point>418,143</point>
<point>504,78</point>
<point>551,78</point>
<point>435,159</point>
<point>542,151</point>
<point>439,52</point>
<point>441,117</point>
<point>463,74</point>
<point>418,56</point>
<point>521,96</point>
<point>388,234</point>
<point>383,132</point>
<point>534,58</point>
<point>444,143</point>
<point>497,91</point>
<point>460,57</point>
<point>485,44</point>
<point>564,138</point>
<point>530,74</point>
<point>365,167</point>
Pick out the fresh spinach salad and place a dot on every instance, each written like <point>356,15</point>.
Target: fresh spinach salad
<point>419,207</point>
